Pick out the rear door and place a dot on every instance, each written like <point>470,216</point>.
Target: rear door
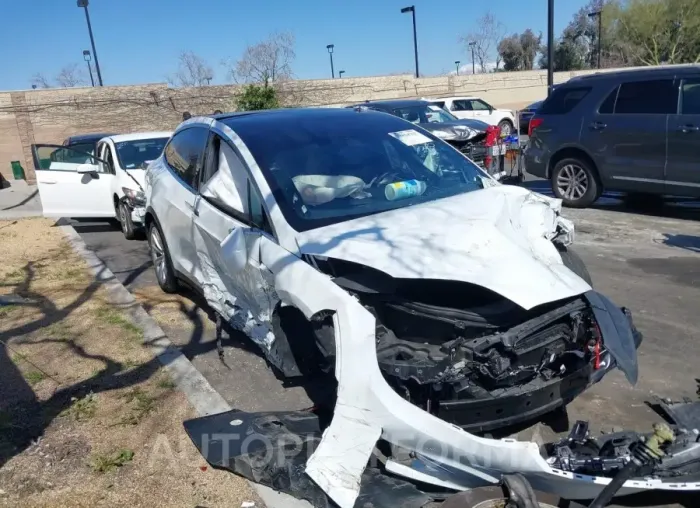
<point>626,134</point>
<point>72,183</point>
<point>461,108</point>
<point>683,167</point>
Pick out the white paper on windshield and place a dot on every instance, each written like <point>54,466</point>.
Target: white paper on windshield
<point>410,137</point>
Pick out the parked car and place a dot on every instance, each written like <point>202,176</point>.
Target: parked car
<point>525,114</point>
<point>466,135</point>
<point>634,131</point>
<point>101,182</point>
<point>302,227</point>
<point>479,109</point>
<point>85,142</point>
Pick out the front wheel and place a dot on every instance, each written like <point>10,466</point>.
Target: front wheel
<point>160,256</point>
<point>127,224</point>
<point>575,183</point>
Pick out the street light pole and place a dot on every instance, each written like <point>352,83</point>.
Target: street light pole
<point>84,4</point>
<point>550,46</point>
<point>412,10</point>
<point>457,65</point>
<point>598,14</point>
<point>330,52</point>
<point>340,74</point>
<point>86,57</point>
<point>472,44</point>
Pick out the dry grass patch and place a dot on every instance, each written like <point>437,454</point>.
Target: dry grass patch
<point>88,416</point>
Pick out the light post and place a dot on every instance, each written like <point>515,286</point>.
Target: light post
<point>340,74</point>
<point>412,10</point>
<point>208,78</point>
<point>599,15</point>
<point>330,52</point>
<point>86,57</point>
<point>84,4</point>
<point>472,44</point>
<point>457,65</point>
<point>550,46</point>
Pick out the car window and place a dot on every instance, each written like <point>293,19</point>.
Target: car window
<point>654,97</point>
<point>563,100</point>
<point>607,107</point>
<point>440,104</point>
<point>185,153</point>
<point>690,97</point>
<point>479,105</point>
<point>84,147</point>
<point>138,153</point>
<point>461,105</point>
<point>211,159</point>
<point>62,159</point>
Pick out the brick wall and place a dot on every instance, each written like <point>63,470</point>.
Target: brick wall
<point>49,116</point>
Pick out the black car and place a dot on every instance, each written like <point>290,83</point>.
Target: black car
<point>85,142</point>
<point>466,135</point>
<point>525,114</point>
<point>634,131</point>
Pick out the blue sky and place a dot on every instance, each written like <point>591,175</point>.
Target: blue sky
<point>138,41</point>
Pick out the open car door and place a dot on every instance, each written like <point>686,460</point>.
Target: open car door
<point>72,183</point>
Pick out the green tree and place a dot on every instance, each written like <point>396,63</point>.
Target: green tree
<point>255,97</point>
<point>519,51</point>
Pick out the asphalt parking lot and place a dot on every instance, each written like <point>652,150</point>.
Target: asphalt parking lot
<point>648,261</point>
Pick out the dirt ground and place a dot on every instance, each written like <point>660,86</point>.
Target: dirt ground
<point>87,416</point>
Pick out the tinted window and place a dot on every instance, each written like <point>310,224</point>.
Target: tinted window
<point>691,97</point>
<point>479,106</point>
<point>84,147</point>
<point>185,152</point>
<point>608,105</point>
<point>440,104</point>
<point>61,159</point>
<point>211,159</point>
<point>461,106</point>
<point>563,100</point>
<point>657,97</point>
<point>109,159</point>
<point>138,153</point>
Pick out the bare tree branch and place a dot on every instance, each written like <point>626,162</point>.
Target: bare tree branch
<point>192,70</point>
<point>71,75</point>
<point>488,34</point>
<point>266,62</point>
<point>40,81</point>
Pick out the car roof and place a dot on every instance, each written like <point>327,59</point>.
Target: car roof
<point>393,103</point>
<point>86,138</point>
<point>139,136</point>
<point>660,70</point>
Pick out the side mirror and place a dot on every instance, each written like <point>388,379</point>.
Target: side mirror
<point>86,168</point>
<point>234,250</point>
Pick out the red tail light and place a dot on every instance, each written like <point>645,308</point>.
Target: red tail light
<point>534,123</point>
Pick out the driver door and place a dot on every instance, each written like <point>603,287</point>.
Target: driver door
<point>480,110</point>
<point>72,183</point>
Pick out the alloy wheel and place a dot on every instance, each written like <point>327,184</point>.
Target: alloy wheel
<point>505,129</point>
<point>572,182</point>
<point>158,254</point>
<point>123,217</point>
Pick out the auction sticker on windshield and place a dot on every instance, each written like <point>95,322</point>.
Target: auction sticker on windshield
<point>410,137</point>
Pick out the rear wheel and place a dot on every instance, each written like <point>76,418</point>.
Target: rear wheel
<point>506,127</point>
<point>575,183</point>
<point>161,260</point>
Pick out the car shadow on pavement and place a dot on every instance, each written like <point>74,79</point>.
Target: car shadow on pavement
<point>23,418</point>
<point>671,208</point>
<point>688,242</point>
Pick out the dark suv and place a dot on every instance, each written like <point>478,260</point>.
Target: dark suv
<point>635,131</point>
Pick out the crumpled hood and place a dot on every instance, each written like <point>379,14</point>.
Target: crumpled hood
<point>497,238</point>
<point>139,175</point>
<point>459,129</point>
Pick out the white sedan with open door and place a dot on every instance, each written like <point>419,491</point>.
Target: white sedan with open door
<point>77,184</point>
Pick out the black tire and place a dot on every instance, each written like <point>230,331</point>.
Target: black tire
<point>506,124</point>
<point>160,256</point>
<point>127,224</point>
<point>573,262</point>
<point>575,182</point>
<point>492,497</point>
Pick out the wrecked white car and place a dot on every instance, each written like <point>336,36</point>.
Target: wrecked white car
<point>441,301</point>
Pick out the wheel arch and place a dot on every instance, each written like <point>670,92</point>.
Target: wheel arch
<point>573,152</point>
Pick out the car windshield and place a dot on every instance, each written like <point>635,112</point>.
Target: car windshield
<point>427,113</point>
<point>137,153</point>
<point>329,168</point>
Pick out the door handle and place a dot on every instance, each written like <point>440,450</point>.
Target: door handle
<point>49,182</point>
<point>598,126</point>
<point>685,129</point>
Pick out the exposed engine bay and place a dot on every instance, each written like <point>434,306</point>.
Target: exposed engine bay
<point>470,356</point>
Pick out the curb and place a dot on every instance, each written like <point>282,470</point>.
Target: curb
<point>186,377</point>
